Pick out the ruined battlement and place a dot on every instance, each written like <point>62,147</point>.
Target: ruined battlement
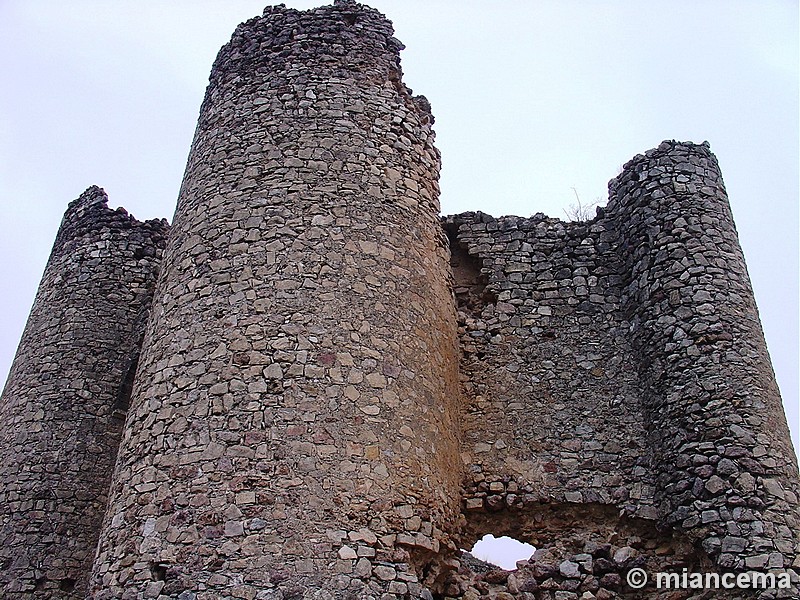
<point>349,39</point>
<point>89,217</point>
<point>312,385</point>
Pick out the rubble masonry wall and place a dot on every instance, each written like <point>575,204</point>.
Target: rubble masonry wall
<point>337,390</point>
<point>293,421</point>
<point>63,406</point>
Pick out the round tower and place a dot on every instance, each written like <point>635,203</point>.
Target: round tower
<point>293,421</point>
<point>63,405</point>
<point>726,472</point>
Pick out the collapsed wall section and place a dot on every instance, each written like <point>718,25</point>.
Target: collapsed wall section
<point>63,406</point>
<point>293,427</point>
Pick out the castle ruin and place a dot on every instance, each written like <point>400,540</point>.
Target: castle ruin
<point>311,385</point>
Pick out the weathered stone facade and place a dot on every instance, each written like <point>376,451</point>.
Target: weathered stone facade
<point>63,406</point>
<point>620,363</point>
<point>335,389</point>
<point>297,393</point>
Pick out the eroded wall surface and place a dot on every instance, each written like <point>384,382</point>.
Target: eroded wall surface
<point>63,406</point>
<point>724,463</point>
<point>554,412</point>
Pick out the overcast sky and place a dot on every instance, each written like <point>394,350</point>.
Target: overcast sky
<point>531,99</point>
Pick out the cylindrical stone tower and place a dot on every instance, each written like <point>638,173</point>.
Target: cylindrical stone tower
<point>725,469</point>
<point>293,425</point>
<point>62,408</point>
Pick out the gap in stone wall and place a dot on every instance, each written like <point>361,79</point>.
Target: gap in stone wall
<point>567,526</point>
<point>503,551</point>
<point>579,548</point>
<point>469,283</point>
<point>123,399</point>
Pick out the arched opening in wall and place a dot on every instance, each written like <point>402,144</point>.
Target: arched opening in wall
<point>503,551</point>
<point>579,547</point>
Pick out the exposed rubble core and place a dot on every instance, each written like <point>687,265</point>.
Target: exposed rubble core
<point>328,389</point>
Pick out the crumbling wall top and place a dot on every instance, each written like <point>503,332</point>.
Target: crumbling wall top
<point>90,213</point>
<point>347,36</point>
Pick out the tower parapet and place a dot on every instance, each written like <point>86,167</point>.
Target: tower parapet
<point>63,406</point>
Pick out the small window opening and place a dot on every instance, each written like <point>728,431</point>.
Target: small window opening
<point>502,551</point>
<point>159,571</point>
<point>66,585</point>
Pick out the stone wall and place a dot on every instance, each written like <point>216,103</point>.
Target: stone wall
<point>338,390</point>
<point>553,412</point>
<point>616,380</point>
<point>292,428</point>
<point>64,403</point>
<point>723,460</point>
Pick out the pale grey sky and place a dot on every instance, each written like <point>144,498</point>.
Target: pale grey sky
<point>531,98</point>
